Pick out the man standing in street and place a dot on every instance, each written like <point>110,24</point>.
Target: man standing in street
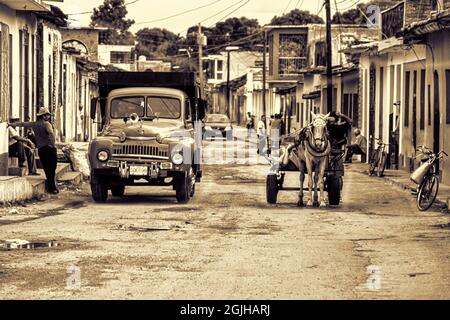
<point>45,141</point>
<point>359,147</point>
<point>262,135</point>
<point>22,148</point>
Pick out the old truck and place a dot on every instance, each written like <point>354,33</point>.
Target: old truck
<point>149,133</point>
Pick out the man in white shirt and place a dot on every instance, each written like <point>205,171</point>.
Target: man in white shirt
<point>22,148</point>
<point>262,135</point>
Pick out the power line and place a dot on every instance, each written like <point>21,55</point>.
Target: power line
<point>92,11</point>
<point>233,11</point>
<point>180,13</point>
<point>289,3</point>
<point>216,14</point>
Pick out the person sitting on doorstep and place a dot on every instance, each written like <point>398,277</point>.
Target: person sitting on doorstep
<point>359,147</point>
<point>22,148</point>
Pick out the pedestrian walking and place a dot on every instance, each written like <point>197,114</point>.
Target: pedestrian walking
<point>22,148</point>
<point>262,135</point>
<point>45,142</point>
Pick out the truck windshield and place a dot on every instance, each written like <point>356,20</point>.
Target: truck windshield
<point>157,107</point>
<point>125,106</point>
<point>163,107</point>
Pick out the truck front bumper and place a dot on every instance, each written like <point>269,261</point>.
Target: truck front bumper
<point>133,170</point>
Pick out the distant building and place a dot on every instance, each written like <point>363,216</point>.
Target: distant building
<point>119,56</point>
<point>142,64</point>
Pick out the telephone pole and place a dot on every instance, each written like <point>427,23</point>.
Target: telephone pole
<point>200,59</point>
<point>329,55</point>
<point>264,74</point>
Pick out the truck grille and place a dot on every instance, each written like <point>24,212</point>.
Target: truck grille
<point>140,151</point>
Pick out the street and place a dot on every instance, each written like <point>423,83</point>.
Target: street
<point>228,243</point>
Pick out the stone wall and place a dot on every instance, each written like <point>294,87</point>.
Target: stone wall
<point>417,10</point>
<point>88,37</point>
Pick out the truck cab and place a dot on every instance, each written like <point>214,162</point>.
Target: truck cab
<point>148,134</point>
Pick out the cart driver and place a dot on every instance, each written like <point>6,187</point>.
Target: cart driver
<point>338,127</point>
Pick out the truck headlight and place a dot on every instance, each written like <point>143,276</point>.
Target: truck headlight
<point>103,156</point>
<point>177,158</point>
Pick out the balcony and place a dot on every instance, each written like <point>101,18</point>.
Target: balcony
<point>392,20</point>
<point>291,66</point>
<point>26,5</point>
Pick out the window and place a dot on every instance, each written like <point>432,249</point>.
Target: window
<point>120,57</point>
<point>163,107</point>
<point>219,69</point>
<point>422,99</point>
<point>447,92</point>
<point>407,97</point>
<point>124,107</point>
<point>320,54</point>
<point>292,54</point>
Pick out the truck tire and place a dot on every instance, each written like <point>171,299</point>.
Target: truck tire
<point>183,189</point>
<point>118,191</point>
<point>334,190</point>
<point>99,190</point>
<point>272,188</point>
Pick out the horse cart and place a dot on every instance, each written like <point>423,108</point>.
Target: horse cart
<point>333,174</point>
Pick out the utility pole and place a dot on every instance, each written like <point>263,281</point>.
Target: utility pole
<point>264,74</point>
<point>200,60</point>
<point>329,55</point>
<point>228,83</point>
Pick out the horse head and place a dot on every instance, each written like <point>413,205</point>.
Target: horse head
<point>319,133</point>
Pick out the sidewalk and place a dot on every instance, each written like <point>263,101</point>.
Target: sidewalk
<point>400,178</point>
<point>17,189</point>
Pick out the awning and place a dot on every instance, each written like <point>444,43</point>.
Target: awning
<point>312,95</point>
<point>26,5</point>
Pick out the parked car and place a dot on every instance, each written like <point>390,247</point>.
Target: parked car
<point>218,125</point>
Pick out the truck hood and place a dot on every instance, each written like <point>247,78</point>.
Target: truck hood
<point>157,130</point>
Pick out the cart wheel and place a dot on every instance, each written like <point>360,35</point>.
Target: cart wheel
<point>271,188</point>
<point>334,190</point>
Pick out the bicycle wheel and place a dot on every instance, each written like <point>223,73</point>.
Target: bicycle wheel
<point>373,163</point>
<point>381,165</point>
<point>428,191</point>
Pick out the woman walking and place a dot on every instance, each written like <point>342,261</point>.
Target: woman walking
<point>45,142</point>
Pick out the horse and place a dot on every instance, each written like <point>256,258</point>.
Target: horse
<point>311,150</point>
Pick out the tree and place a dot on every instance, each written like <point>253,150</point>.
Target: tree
<point>296,17</point>
<point>112,15</point>
<point>355,16</point>
<point>157,43</point>
<point>230,30</point>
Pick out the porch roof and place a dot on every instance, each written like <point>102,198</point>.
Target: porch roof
<point>26,5</point>
<point>312,95</point>
<point>436,22</point>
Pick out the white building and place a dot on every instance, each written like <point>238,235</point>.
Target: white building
<point>119,56</point>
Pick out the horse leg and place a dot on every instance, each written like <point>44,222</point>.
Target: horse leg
<point>309,168</point>
<point>323,165</point>
<point>316,179</point>
<point>302,181</point>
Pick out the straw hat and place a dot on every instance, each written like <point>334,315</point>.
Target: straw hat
<point>43,111</point>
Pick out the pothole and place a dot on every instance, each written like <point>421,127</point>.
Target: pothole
<point>19,244</point>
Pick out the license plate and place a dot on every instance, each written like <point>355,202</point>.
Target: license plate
<point>138,171</point>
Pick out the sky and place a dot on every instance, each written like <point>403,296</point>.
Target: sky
<point>208,12</point>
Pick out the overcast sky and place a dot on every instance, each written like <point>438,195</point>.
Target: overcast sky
<point>213,11</point>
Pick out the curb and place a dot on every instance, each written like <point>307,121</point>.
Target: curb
<point>406,187</point>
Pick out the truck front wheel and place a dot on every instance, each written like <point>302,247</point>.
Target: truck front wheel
<point>99,190</point>
<point>183,189</point>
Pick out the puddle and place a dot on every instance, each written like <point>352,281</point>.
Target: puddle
<point>17,244</point>
<point>141,229</point>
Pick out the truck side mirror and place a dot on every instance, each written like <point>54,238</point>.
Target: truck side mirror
<point>94,104</point>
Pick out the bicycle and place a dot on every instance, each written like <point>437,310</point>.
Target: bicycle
<point>378,159</point>
<point>427,177</point>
